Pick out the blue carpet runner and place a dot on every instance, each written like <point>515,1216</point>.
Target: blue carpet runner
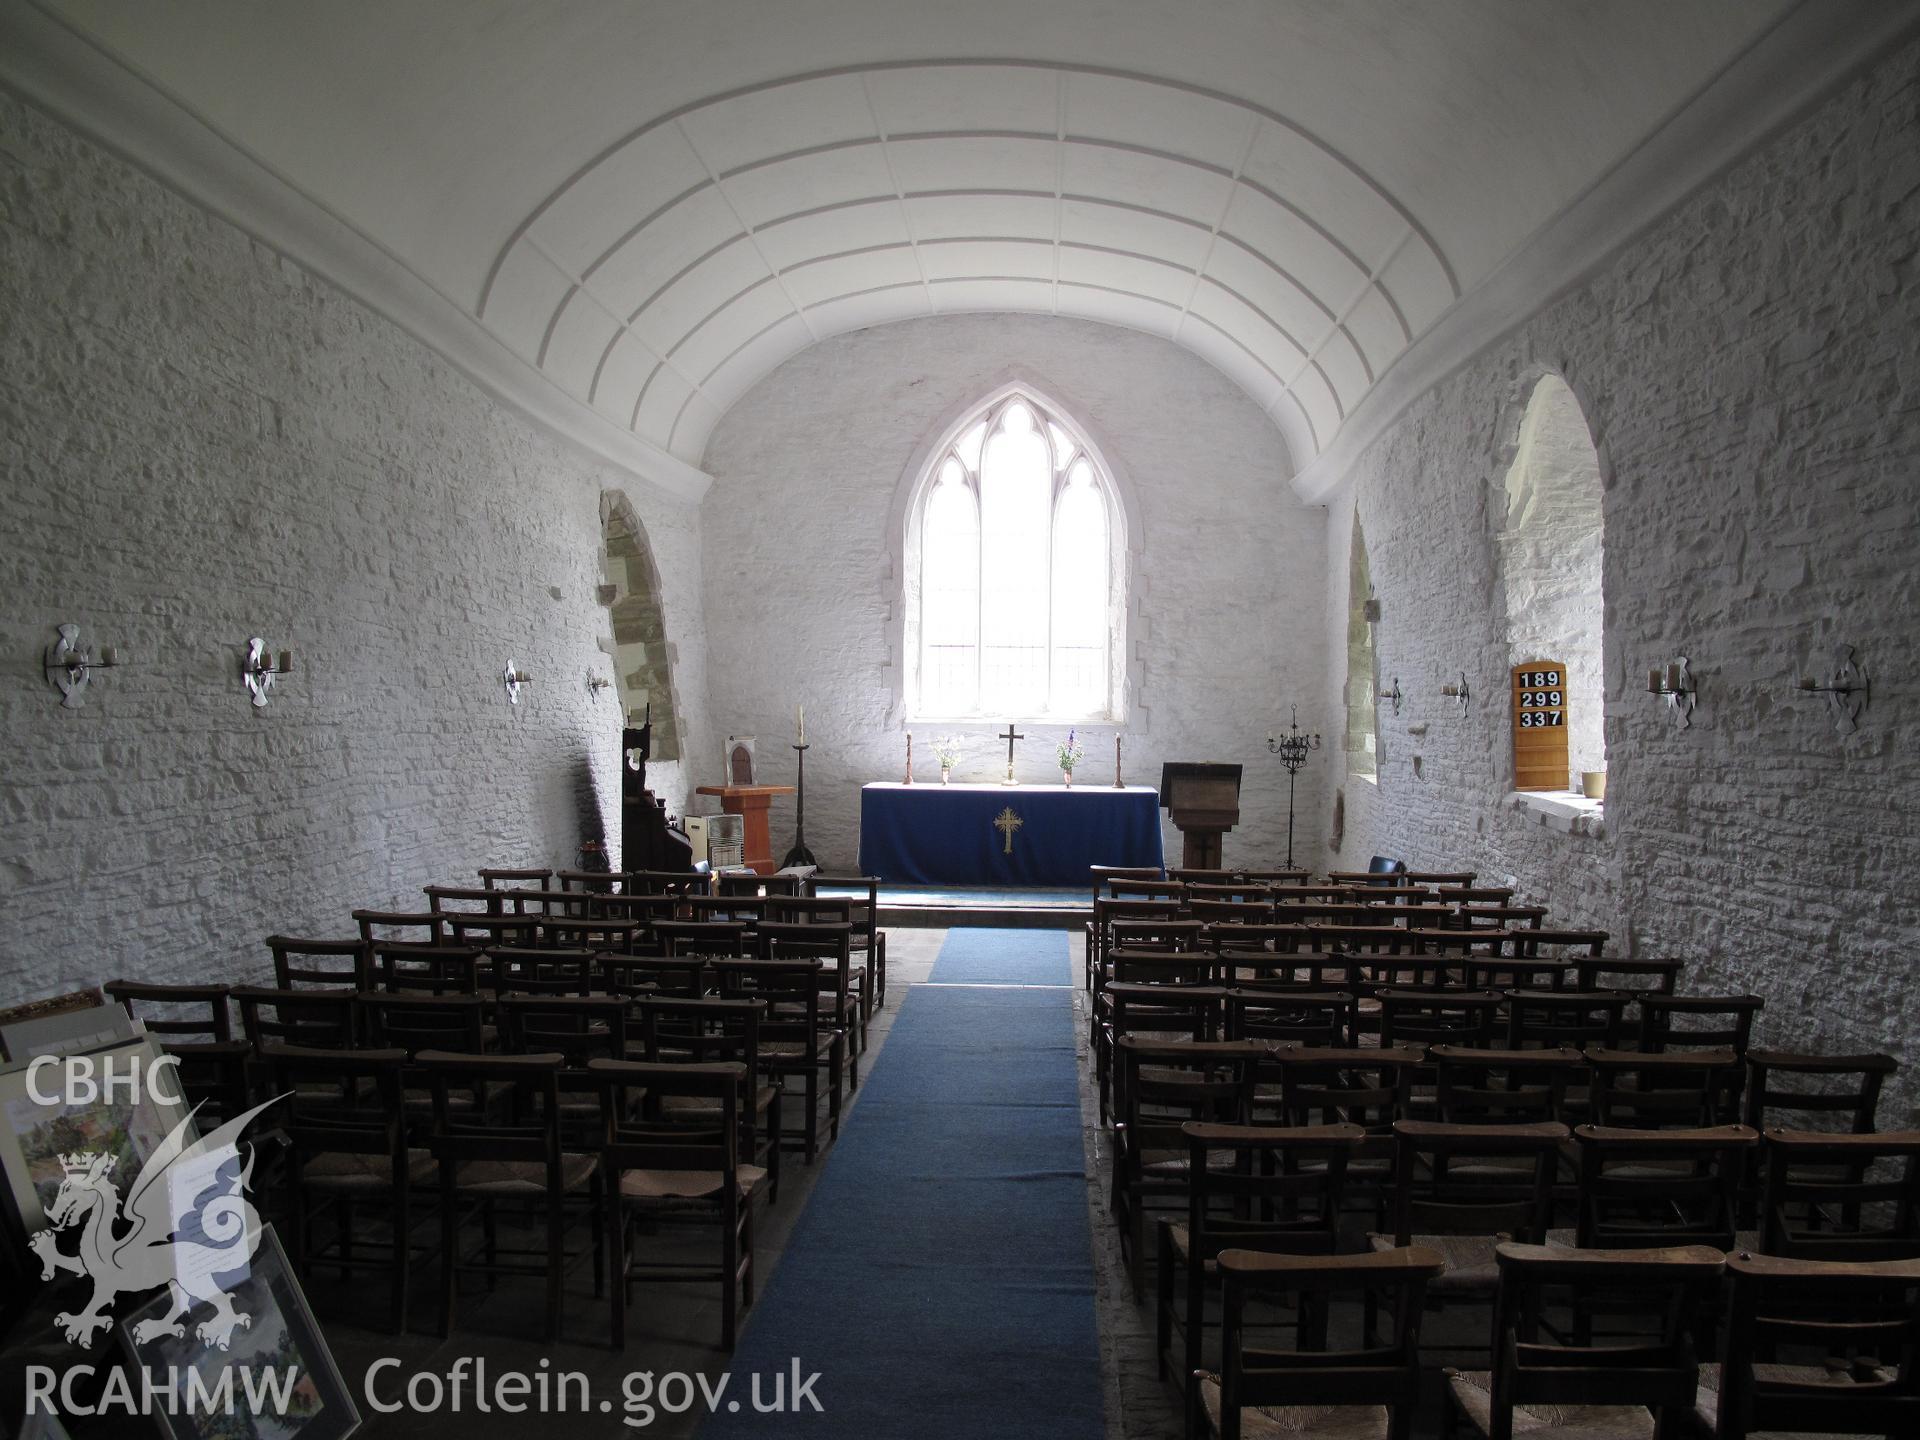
<point>1004,957</point>
<point>941,1277</point>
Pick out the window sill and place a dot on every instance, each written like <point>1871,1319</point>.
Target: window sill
<point>921,721</point>
<point>1561,810</point>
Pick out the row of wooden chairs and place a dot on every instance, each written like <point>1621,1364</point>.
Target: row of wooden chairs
<point>626,1143</point>
<point>1806,1346</point>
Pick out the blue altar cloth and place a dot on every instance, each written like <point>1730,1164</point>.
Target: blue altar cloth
<point>945,834</point>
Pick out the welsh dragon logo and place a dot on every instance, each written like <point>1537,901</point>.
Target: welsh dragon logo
<point>131,1246</point>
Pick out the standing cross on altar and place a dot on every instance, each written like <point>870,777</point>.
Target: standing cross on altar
<point>1010,736</point>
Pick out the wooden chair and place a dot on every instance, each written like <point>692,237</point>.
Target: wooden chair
<point>426,969</point>
<point>843,992</point>
<point>1151,1010</point>
<point>1539,1387</point>
<point>495,878</point>
<point>1224,913</point>
<point>193,1024</point>
<point>1439,1017</point>
<point>1328,1386</point>
<point>681,884</point>
<point>1825,1315</point>
<point>1844,1087</point>
<point>508,1149</point>
<point>1289,1016</point>
<point>1503,1087</point>
<point>342,964</point>
<point>347,1139</point>
<point>676,1030</point>
<point>492,932</point>
<point>544,972</point>
<point>1835,1196</point>
<point>677,1163</point>
<point>1254,1187</point>
<point>1786,1090</point>
<point>1274,1189</point>
<point>1541,942</point>
<point>1639,975</point>
<point>424,1022</point>
<point>1698,1022</point>
<point>702,937</point>
<point>1361,1085</point>
<point>869,940</point>
<point>403,927</point>
<point>1575,1019</point>
<point>306,1019</point>
<point>465,899</point>
<point>1648,1090</point>
<point>1460,1190</point>
<point>1640,1188</point>
<point>1159,1086</point>
<point>798,1036</point>
<point>636,975</point>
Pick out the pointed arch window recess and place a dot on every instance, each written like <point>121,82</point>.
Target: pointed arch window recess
<point>1016,529</point>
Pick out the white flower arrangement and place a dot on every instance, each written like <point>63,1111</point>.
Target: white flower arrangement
<point>1068,751</point>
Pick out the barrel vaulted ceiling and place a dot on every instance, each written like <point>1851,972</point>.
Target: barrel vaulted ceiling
<point>651,205</point>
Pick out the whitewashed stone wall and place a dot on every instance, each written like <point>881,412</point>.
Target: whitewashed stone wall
<point>802,565</point>
<point>203,443</point>
<point>1749,369</point>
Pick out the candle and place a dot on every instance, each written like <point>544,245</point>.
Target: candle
<point>1809,683</point>
<point>1673,677</point>
<point>799,724</point>
<point>286,662</point>
<point>109,655</point>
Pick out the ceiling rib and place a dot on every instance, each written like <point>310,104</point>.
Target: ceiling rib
<point>893,179</point>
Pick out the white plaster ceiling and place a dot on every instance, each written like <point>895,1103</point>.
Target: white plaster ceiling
<point>654,204</point>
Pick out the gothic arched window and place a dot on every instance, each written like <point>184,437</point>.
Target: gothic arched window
<point>1014,605</point>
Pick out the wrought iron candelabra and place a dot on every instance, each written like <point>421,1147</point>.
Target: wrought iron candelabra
<point>1293,749</point>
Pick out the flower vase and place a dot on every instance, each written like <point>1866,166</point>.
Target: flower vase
<point>946,774</point>
<point>1066,778</point>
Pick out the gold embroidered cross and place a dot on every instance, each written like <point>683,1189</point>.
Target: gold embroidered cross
<point>1006,823</point>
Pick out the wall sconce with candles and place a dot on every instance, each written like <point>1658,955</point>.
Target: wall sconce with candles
<point>1393,695</point>
<point>595,684</point>
<point>1674,684</point>
<point>513,677</point>
<point>259,668</point>
<point>68,668</point>
<point>1847,690</point>
<point>1461,692</point>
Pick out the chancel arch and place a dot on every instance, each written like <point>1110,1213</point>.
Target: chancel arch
<point>1550,544</point>
<point>642,656</point>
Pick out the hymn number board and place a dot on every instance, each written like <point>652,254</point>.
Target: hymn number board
<point>1540,726</point>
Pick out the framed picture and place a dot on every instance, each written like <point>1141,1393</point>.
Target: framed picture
<point>299,1389</point>
<point>62,1025</point>
<point>130,1126</point>
<point>739,768</point>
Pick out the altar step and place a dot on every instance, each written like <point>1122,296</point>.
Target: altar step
<point>967,906</point>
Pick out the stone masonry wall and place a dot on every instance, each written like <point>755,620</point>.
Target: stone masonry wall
<point>802,566</point>
<point>200,442</point>
<point>1750,374</point>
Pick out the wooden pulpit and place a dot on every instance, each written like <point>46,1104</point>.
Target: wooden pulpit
<point>750,803</point>
<point>1204,802</point>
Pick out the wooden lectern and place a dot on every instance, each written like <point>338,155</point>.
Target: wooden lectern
<point>750,803</point>
<point>1204,801</point>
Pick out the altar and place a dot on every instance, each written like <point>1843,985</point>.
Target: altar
<point>1012,835</point>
